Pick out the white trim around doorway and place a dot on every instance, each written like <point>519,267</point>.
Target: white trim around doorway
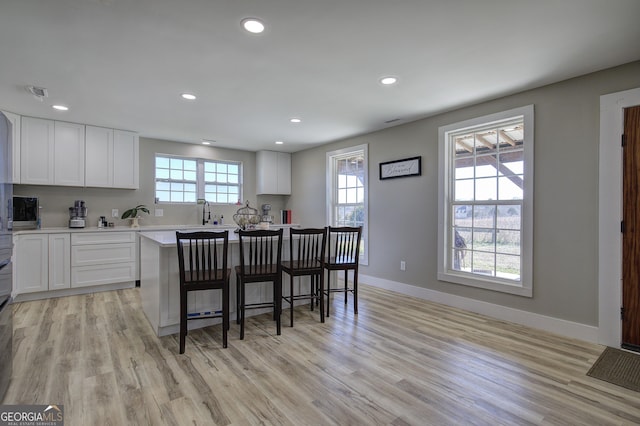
<point>610,214</point>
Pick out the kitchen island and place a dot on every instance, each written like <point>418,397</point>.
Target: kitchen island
<point>160,282</point>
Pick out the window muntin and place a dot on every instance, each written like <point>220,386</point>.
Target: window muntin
<point>184,180</point>
<point>486,201</point>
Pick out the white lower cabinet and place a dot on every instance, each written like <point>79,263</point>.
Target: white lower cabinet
<point>100,254</point>
<point>85,276</point>
<point>41,262</point>
<point>99,258</point>
<point>31,261</point>
<point>59,263</point>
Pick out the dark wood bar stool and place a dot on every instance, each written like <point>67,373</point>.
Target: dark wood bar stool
<point>206,269</point>
<point>343,254</point>
<point>260,257</point>
<point>306,258</point>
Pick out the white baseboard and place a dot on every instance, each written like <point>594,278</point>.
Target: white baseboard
<point>554,325</point>
<point>27,297</point>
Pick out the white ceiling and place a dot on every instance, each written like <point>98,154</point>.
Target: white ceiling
<point>124,63</point>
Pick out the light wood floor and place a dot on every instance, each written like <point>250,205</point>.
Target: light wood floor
<point>400,361</point>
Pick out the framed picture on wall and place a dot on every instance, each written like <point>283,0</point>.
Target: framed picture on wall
<point>401,168</point>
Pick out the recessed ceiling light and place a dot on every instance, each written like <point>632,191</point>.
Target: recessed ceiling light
<point>388,80</point>
<point>295,120</point>
<point>279,142</point>
<point>253,25</point>
<point>188,96</point>
<point>206,143</point>
<point>60,107</point>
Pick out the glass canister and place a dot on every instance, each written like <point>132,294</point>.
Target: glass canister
<point>246,217</point>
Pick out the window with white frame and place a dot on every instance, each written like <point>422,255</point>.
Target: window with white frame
<point>184,180</point>
<point>176,180</point>
<point>222,182</point>
<point>486,202</point>
<point>347,191</point>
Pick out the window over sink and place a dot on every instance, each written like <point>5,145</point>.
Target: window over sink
<point>185,180</point>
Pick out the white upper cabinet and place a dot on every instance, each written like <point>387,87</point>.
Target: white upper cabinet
<point>51,152</point>
<point>111,158</point>
<point>99,157</point>
<point>36,151</point>
<point>273,173</point>
<point>14,119</point>
<point>68,153</point>
<point>125,159</point>
<point>48,152</point>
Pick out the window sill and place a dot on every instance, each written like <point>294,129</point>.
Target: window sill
<point>487,284</point>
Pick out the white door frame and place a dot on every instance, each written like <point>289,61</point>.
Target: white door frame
<point>610,214</point>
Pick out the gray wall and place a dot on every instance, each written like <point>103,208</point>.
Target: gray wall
<point>403,213</point>
<point>56,200</point>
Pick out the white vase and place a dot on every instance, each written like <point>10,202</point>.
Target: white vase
<point>134,222</point>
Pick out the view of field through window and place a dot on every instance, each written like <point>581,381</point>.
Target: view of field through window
<point>488,182</point>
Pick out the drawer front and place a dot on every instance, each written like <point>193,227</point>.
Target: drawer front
<point>102,254</point>
<point>107,237</point>
<point>86,276</point>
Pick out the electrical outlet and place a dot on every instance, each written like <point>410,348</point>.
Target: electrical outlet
<point>159,212</point>
<point>403,265</point>
<point>115,213</point>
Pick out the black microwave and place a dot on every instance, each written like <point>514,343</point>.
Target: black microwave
<point>25,212</point>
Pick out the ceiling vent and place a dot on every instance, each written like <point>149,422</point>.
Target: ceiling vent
<point>38,92</point>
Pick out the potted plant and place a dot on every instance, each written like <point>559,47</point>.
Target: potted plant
<point>133,215</point>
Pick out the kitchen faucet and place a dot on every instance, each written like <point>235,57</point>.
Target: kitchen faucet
<point>204,205</point>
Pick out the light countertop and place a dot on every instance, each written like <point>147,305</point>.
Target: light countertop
<point>141,229</point>
<point>166,238</point>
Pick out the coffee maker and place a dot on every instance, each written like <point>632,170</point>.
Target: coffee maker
<point>78,215</point>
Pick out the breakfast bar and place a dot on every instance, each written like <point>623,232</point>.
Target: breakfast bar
<point>159,284</point>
